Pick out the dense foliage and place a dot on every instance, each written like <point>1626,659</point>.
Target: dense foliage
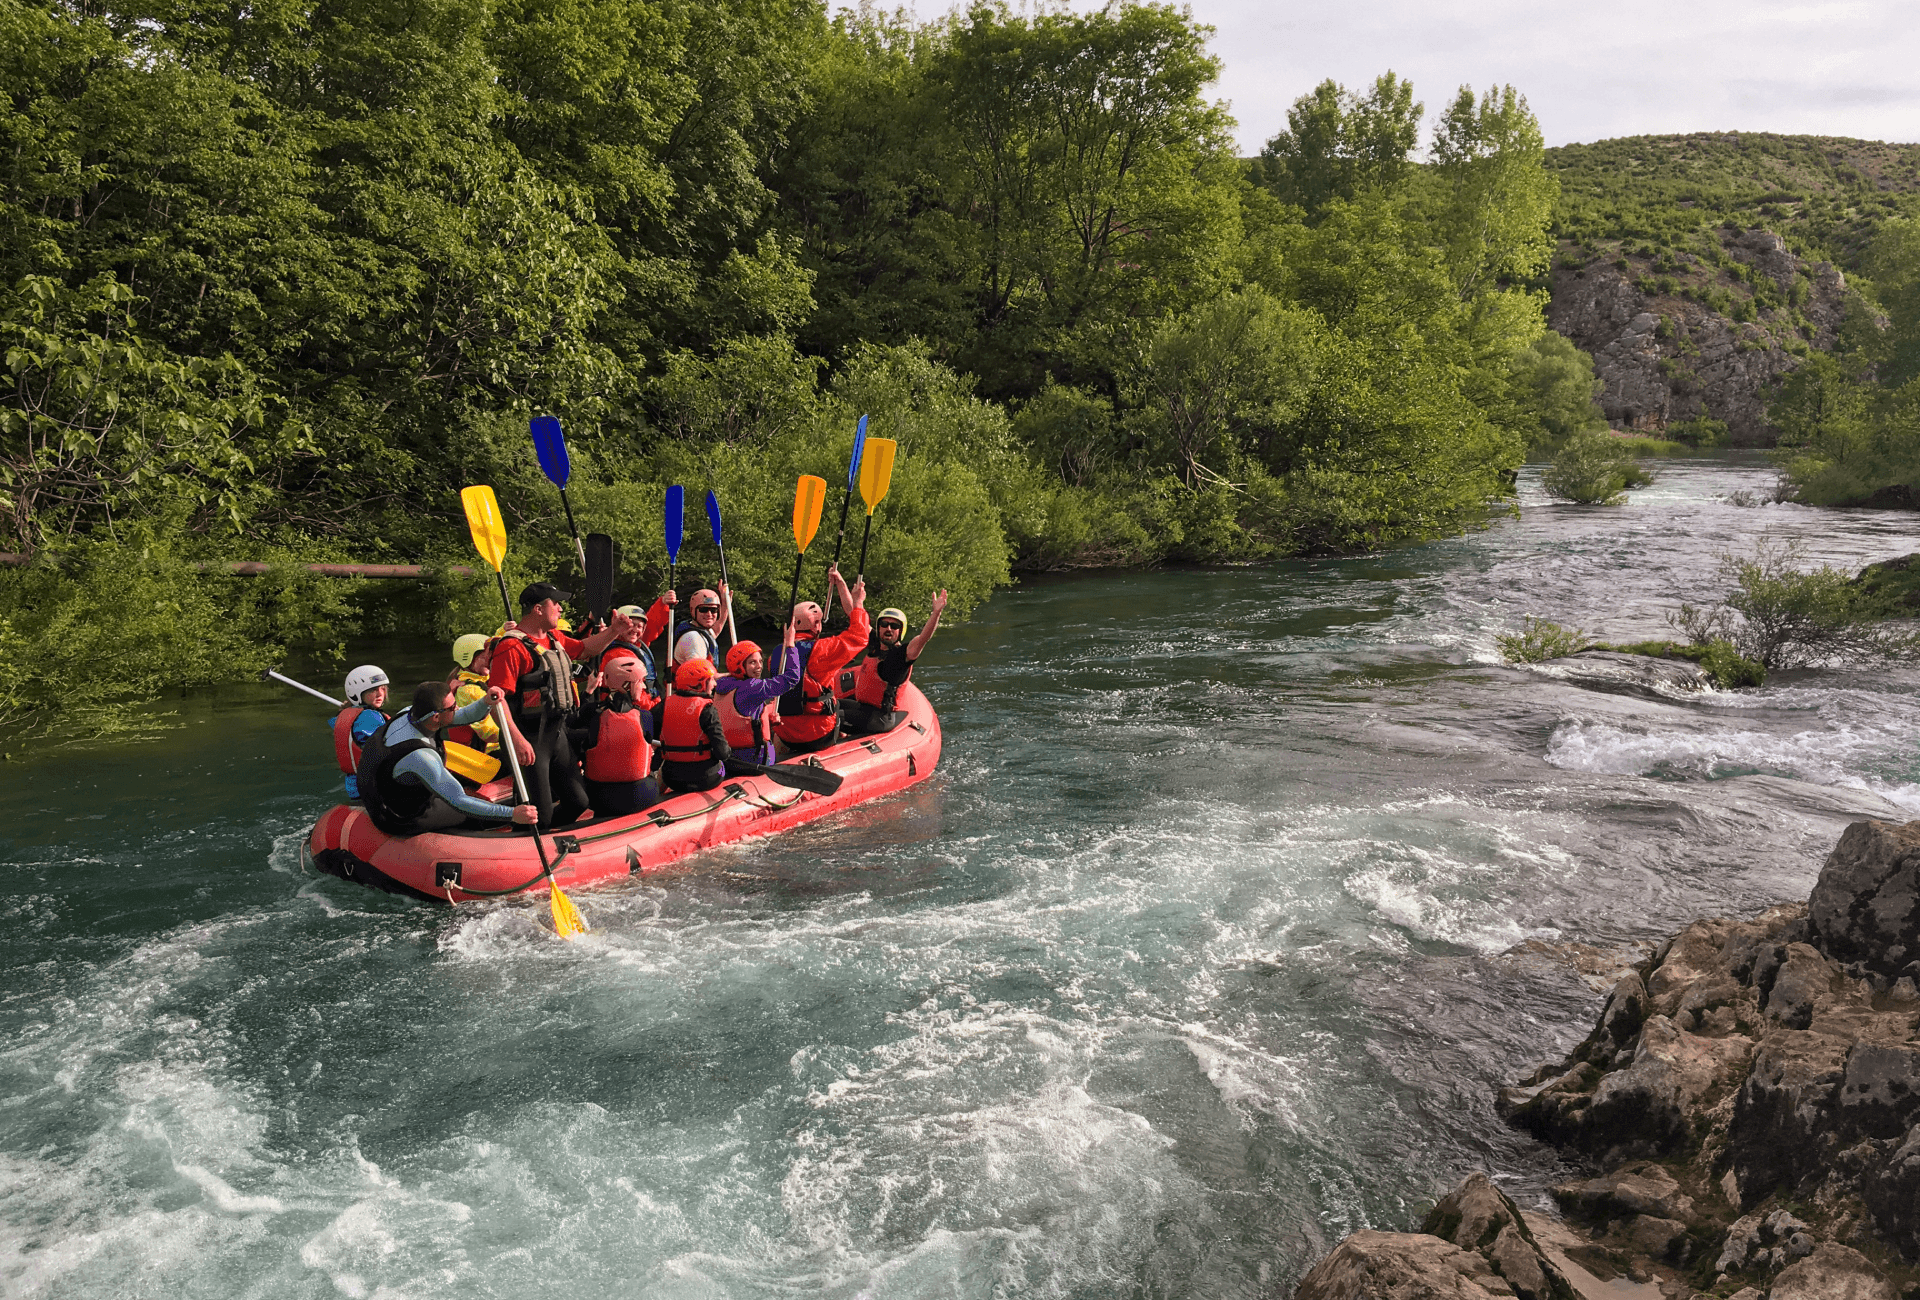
<point>1594,468</point>
<point>275,282</point>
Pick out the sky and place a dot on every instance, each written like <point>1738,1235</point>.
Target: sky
<point>1590,71</point>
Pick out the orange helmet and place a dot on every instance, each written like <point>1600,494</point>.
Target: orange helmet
<point>695,676</point>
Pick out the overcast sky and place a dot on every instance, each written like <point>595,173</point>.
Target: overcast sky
<point>1590,71</point>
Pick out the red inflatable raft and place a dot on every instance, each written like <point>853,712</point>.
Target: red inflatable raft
<point>452,865</point>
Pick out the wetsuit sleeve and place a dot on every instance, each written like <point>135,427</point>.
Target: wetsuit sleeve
<point>716,734</point>
<point>425,767</point>
<point>467,715</point>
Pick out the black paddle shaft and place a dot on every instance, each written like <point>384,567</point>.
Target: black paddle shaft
<point>865,534</point>
<point>600,575</point>
<point>506,602</point>
<point>793,598</point>
<point>840,540</point>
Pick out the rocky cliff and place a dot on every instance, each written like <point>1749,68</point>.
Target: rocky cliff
<point>1750,1099</point>
<point>1682,335</point>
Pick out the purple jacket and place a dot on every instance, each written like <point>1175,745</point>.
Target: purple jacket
<point>750,693</point>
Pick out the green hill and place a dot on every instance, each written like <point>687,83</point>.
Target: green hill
<point>1825,195</point>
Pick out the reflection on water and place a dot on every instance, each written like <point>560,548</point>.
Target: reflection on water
<point>1237,894</point>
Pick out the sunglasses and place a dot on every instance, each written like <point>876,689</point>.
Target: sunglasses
<point>706,609</point>
<point>887,622</point>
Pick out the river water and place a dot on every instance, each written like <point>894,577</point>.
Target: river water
<point>1235,897</point>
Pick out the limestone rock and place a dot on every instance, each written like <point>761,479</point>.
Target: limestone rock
<point>1832,1272</point>
<point>1640,1189</point>
<point>1662,357</point>
<point>1866,904</point>
<point>1476,1215</point>
<point>1372,1265</point>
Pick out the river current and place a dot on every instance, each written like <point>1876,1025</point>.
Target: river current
<point>1236,896</point>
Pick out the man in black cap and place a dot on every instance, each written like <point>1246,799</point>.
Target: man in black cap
<point>533,664</point>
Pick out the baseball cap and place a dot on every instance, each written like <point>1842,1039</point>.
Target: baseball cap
<point>540,591</point>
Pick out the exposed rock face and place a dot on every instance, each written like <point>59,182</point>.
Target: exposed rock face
<point>1664,357</point>
<point>1474,1244</point>
<point>1744,1064</point>
<point>1777,1055</point>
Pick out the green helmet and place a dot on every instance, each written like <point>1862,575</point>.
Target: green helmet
<point>466,647</point>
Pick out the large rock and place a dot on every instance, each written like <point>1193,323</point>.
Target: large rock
<point>1401,1266</point>
<point>1865,907</point>
<point>1832,1273</point>
<point>1777,1057</point>
<point>1474,1243</point>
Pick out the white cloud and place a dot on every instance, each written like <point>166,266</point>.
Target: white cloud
<point>1591,72</point>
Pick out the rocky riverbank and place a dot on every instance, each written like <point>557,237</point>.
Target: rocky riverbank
<point>1749,1102</point>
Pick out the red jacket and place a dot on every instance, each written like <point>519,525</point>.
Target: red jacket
<point>807,711</point>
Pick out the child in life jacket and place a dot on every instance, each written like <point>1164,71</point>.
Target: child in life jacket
<point>472,654</point>
<point>617,758</point>
<point>358,720</point>
<point>693,744</point>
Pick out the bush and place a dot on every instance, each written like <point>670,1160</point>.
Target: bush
<point>1594,469</point>
<point>1701,431</point>
<point>1784,616</point>
<point>1720,659</point>
<point>1539,639</point>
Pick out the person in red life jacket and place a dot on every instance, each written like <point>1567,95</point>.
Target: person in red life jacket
<point>357,720</point>
<point>616,752</point>
<point>533,664</point>
<point>745,699</point>
<point>693,745</point>
<point>809,719</point>
<point>869,690</point>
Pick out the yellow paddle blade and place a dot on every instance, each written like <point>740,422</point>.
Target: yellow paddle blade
<point>876,470</point>
<point>484,522</point>
<point>808,497</point>
<point>465,760</point>
<point>567,920</point>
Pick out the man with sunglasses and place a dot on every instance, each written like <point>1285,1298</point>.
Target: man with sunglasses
<point>709,619</point>
<point>869,689</point>
<point>404,779</point>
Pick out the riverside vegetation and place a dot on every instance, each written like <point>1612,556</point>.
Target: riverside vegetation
<point>278,282</point>
<point>1776,614</point>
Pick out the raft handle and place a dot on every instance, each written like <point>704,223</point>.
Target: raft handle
<point>445,874</point>
<point>919,727</point>
<point>565,844</point>
<point>871,746</point>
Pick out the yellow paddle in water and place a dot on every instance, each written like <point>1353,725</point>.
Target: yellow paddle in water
<point>876,476</point>
<point>490,539</point>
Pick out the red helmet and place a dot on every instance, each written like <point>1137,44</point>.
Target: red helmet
<point>695,676</point>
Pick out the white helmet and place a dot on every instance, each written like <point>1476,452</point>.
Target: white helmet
<point>363,679</point>
<point>691,645</point>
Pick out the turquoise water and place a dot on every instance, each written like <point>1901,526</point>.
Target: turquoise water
<point>1237,894</point>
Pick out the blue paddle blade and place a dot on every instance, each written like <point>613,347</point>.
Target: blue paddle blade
<point>551,448</point>
<point>676,521</point>
<point>713,515</point>
<point>859,445</point>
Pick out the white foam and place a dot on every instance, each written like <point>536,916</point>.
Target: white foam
<point>1831,756</point>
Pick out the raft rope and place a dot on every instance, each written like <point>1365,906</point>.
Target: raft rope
<point>562,841</point>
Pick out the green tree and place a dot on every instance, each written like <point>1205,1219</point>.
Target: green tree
<point>1497,193</point>
<point>1555,390</point>
<point>1338,143</point>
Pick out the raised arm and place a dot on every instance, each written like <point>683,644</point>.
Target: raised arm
<point>919,643</point>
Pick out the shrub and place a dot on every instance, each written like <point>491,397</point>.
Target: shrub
<point>1539,639</point>
<point>1784,616</point>
<point>1701,431</point>
<point>1594,469</point>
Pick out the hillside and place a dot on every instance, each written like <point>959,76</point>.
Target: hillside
<point>1698,268</point>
